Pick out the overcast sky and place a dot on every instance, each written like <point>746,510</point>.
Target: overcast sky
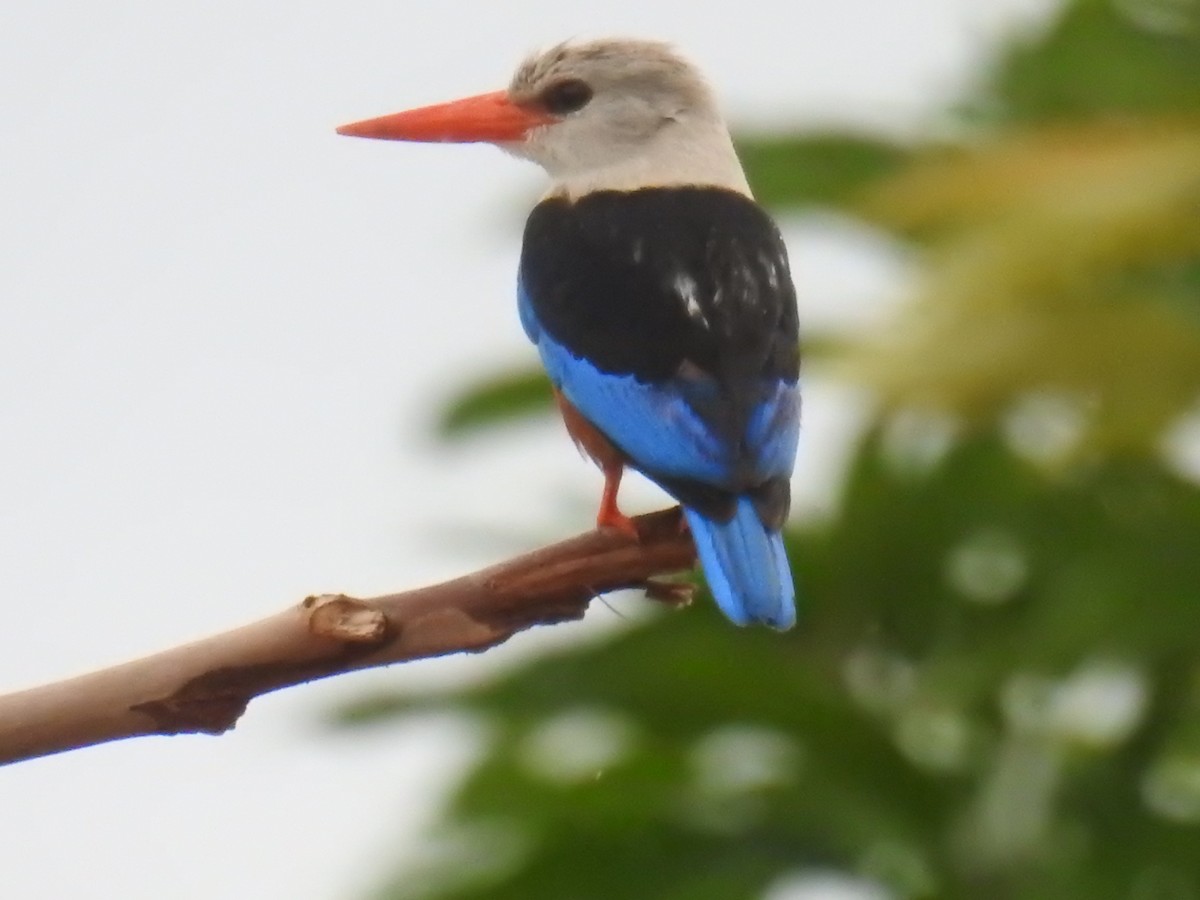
<point>225,334</point>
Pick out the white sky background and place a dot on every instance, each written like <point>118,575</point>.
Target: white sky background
<point>225,334</point>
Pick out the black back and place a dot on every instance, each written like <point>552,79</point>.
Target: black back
<point>603,276</point>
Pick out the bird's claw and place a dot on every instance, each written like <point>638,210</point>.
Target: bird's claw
<point>618,521</point>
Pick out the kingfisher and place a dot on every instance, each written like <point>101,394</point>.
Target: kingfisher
<point>658,295</point>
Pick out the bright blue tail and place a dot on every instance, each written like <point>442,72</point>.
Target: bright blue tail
<point>746,567</point>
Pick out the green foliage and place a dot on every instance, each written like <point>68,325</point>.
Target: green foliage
<point>1102,58</point>
<point>994,690</point>
<point>816,169</point>
<point>504,397</point>
<point>1062,260</point>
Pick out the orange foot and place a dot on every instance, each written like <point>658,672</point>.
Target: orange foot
<point>610,516</point>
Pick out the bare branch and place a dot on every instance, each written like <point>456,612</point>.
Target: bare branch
<point>204,687</point>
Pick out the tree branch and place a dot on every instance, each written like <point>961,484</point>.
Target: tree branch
<point>204,687</point>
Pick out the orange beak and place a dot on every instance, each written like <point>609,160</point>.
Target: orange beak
<point>486,117</point>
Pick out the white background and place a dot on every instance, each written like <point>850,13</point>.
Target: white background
<point>226,332</point>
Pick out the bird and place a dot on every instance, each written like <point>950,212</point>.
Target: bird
<point>657,293</point>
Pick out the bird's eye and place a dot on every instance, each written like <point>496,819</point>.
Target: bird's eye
<point>567,96</point>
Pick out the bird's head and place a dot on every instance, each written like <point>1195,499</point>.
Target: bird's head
<point>615,114</point>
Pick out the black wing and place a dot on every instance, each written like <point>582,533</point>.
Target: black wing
<point>655,281</point>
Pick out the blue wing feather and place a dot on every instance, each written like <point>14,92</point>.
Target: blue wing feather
<point>773,432</point>
<point>529,320</point>
<point>659,426</point>
<point>652,424</point>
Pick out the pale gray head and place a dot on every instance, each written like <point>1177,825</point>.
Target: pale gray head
<point>628,114</point>
<point>602,115</point>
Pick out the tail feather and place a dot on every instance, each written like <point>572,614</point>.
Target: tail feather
<point>746,567</point>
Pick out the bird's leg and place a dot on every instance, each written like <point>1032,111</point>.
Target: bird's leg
<point>610,516</point>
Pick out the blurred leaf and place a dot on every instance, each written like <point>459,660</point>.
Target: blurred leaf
<point>1061,260</point>
<point>1102,58</point>
<point>501,398</point>
<point>1063,173</point>
<point>817,169</point>
<point>371,708</point>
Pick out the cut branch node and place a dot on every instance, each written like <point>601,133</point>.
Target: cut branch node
<point>348,619</point>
